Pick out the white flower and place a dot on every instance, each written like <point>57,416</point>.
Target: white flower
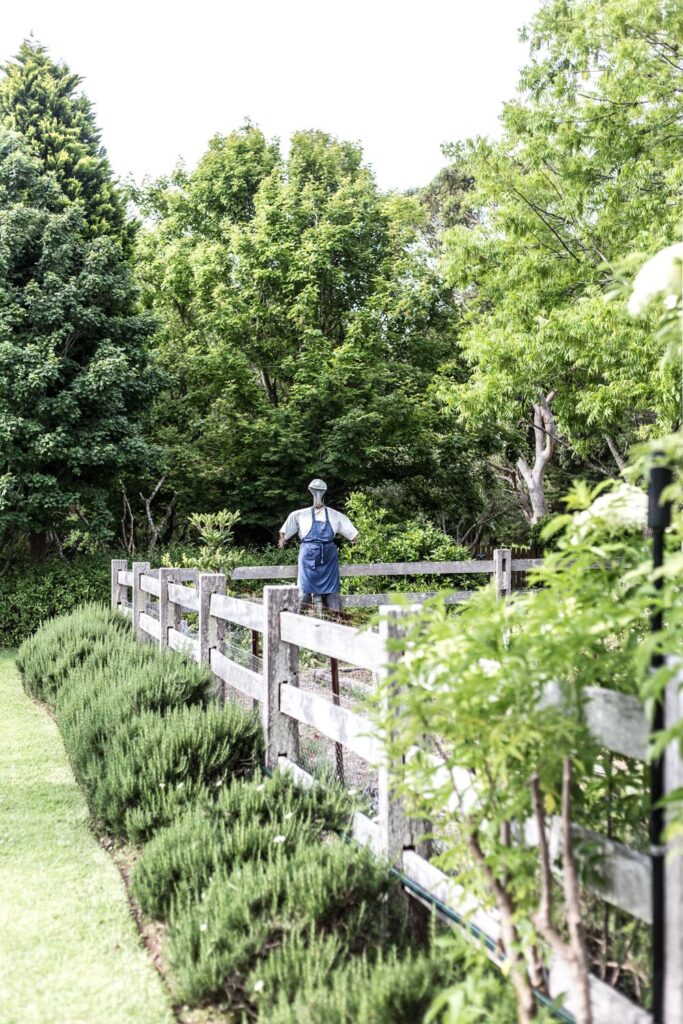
<point>259,985</point>
<point>661,275</point>
<point>279,839</point>
<point>623,508</point>
<point>203,926</point>
<point>259,789</point>
<point>289,814</point>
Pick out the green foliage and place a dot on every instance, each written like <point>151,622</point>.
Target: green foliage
<point>309,980</point>
<point>240,825</point>
<point>475,689</point>
<point>157,765</point>
<point>30,593</point>
<point>217,551</point>
<point>134,721</point>
<point>72,360</point>
<point>383,539</point>
<point>587,172</point>
<point>47,659</point>
<point>119,680</point>
<point>40,101</point>
<point>300,328</point>
<point>216,943</point>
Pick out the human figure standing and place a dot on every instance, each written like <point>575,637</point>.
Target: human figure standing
<point>317,527</point>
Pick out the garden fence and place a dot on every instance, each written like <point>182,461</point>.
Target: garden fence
<point>617,721</point>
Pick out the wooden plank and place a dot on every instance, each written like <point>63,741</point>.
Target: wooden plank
<point>138,601</point>
<point>616,720</point>
<point>183,596</point>
<point>290,572</point>
<point>301,777</point>
<point>242,679</point>
<point>364,649</point>
<point>673,864</point>
<point>367,832</point>
<point>343,726</point>
<point>242,613</point>
<point>445,889</point>
<point>150,625</point>
<point>183,643</point>
<point>608,1005</point>
<point>398,596</point>
<point>502,571</point>
<point>625,875</point>
<point>150,585</point>
<point>280,668</point>
<point>125,578</point>
<point>525,564</point>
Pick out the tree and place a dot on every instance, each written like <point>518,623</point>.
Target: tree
<point>588,170</point>
<point>302,327</point>
<point>72,360</point>
<point>39,99</point>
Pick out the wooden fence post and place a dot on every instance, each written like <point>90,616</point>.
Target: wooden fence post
<point>118,591</point>
<point>280,665</point>
<point>211,630</point>
<point>139,601</point>
<point>673,865</point>
<point>397,832</point>
<point>502,571</point>
<point>169,614</point>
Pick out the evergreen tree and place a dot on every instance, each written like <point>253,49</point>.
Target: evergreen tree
<point>41,101</point>
<point>72,358</point>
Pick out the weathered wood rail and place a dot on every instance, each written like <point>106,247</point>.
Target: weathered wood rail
<point>618,722</point>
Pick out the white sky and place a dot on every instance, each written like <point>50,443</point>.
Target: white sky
<point>400,77</point>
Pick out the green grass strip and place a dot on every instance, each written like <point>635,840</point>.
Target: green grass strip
<point>69,949</point>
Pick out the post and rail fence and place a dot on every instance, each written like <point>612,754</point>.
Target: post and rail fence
<point>618,722</point>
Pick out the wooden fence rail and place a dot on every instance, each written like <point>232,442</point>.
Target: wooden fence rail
<point>618,722</point>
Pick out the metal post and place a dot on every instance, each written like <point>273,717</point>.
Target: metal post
<point>659,517</point>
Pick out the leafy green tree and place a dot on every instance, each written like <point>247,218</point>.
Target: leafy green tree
<point>302,326</point>
<point>72,360</point>
<point>41,101</point>
<point>588,171</point>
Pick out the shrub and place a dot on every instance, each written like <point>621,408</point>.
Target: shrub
<point>156,765</point>
<point>33,593</point>
<point>47,658</point>
<point>244,915</point>
<point>309,980</point>
<point>117,682</point>
<point>241,825</point>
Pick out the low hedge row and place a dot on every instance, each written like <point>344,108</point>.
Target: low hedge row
<point>269,911</point>
<point>136,721</point>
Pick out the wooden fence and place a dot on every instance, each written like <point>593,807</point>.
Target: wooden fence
<point>618,722</point>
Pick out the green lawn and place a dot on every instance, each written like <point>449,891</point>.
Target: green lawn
<point>69,950</point>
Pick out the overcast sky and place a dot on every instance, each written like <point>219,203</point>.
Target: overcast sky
<point>401,78</point>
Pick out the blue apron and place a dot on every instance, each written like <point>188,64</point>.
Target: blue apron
<point>319,559</point>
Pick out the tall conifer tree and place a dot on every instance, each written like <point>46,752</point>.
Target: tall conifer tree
<point>41,100</point>
<point>73,363</point>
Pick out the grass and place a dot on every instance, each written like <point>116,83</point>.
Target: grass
<point>69,950</point>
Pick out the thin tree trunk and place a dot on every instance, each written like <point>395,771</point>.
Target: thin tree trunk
<point>545,441</point>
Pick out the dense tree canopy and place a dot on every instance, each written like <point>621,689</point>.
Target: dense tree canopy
<point>41,101</point>
<point>302,327</point>
<point>588,171</point>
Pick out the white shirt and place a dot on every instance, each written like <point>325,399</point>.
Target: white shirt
<point>300,522</point>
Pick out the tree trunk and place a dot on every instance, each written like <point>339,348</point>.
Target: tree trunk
<point>532,477</point>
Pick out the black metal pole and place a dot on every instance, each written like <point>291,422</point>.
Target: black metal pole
<point>659,517</point>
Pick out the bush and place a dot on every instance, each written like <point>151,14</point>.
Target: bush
<point>244,915</point>
<point>118,681</point>
<point>313,982</point>
<point>133,720</point>
<point>241,825</point>
<point>33,593</point>
<point>61,645</point>
<point>156,765</point>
